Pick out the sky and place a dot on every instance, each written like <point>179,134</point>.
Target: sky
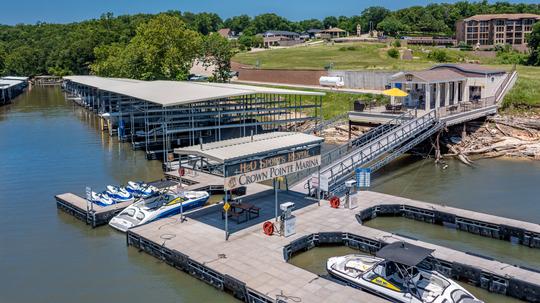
<point>65,11</point>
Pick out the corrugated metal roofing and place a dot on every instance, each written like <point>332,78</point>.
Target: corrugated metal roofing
<point>170,93</point>
<point>15,78</point>
<point>9,83</point>
<point>233,149</point>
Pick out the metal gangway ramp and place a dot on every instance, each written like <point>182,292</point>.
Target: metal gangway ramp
<point>376,148</point>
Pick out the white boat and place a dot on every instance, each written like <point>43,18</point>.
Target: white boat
<point>141,189</point>
<point>154,208</point>
<point>394,275</point>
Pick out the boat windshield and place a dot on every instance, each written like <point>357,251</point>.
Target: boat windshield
<point>129,212</point>
<point>140,216</point>
<point>459,296</point>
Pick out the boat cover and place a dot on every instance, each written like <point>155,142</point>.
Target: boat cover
<point>404,253</point>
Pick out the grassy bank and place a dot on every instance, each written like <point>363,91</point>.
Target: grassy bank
<point>526,92</point>
<point>373,56</point>
<point>344,56</point>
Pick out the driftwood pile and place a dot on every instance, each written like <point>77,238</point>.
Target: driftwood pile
<point>339,134</point>
<point>497,137</point>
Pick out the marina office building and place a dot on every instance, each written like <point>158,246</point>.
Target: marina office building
<point>487,31</point>
<point>448,85</point>
<point>158,116</point>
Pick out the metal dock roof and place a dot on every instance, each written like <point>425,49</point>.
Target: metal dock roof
<point>9,83</point>
<point>227,150</point>
<point>171,93</point>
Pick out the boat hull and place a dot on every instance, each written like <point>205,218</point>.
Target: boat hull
<point>123,223</point>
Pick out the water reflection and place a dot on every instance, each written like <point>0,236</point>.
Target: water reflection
<point>50,146</point>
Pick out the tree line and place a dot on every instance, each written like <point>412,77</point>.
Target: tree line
<point>163,46</point>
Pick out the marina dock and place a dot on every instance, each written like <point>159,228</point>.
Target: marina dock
<point>253,266</point>
<point>93,214</point>
<point>372,204</point>
<point>80,208</point>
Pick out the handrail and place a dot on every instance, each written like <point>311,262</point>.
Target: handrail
<point>326,123</point>
<point>504,86</point>
<point>339,151</point>
<point>402,132</point>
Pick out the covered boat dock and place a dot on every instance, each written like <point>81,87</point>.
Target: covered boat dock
<point>158,116</point>
<point>11,87</point>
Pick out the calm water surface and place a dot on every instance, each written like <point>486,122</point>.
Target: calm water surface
<point>50,146</point>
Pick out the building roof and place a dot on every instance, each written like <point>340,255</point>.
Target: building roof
<point>15,78</point>
<point>225,32</point>
<point>471,68</point>
<point>5,83</point>
<point>171,93</point>
<point>488,17</point>
<point>333,30</point>
<point>404,253</point>
<point>313,30</point>
<point>431,76</point>
<point>240,148</point>
<point>280,33</point>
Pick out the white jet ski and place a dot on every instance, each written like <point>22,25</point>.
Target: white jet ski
<point>102,199</point>
<point>141,189</point>
<point>119,194</point>
<point>394,275</point>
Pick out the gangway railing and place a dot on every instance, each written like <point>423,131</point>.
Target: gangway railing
<point>334,154</point>
<point>406,147</point>
<point>339,172</point>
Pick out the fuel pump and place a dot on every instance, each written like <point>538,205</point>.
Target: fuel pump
<point>287,220</point>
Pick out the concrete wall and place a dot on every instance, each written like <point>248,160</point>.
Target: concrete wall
<point>285,76</point>
<point>364,79</point>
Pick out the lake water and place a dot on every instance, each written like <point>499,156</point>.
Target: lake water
<point>49,146</point>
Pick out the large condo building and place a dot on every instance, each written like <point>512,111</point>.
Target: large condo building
<point>488,30</point>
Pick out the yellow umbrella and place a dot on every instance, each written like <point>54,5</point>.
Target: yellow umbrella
<point>395,92</point>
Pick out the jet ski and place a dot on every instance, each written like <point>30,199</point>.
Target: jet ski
<point>119,194</point>
<point>141,189</point>
<point>101,199</point>
<point>394,275</point>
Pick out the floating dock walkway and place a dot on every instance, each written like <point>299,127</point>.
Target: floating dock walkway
<point>96,215</point>
<point>253,267</point>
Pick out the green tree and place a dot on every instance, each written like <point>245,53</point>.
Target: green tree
<point>206,23</point>
<point>164,48</point>
<point>393,53</point>
<point>439,55</point>
<point>265,22</point>
<point>2,58</point>
<point>330,21</point>
<point>21,61</point>
<point>217,53</point>
<point>534,44</point>
<point>392,26</point>
<point>374,14</point>
<point>310,24</point>
<point>238,23</point>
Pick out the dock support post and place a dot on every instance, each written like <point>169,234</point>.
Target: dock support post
<point>319,182</point>
<point>226,219</point>
<point>275,197</point>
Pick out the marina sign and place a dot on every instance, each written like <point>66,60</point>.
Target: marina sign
<point>254,171</point>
